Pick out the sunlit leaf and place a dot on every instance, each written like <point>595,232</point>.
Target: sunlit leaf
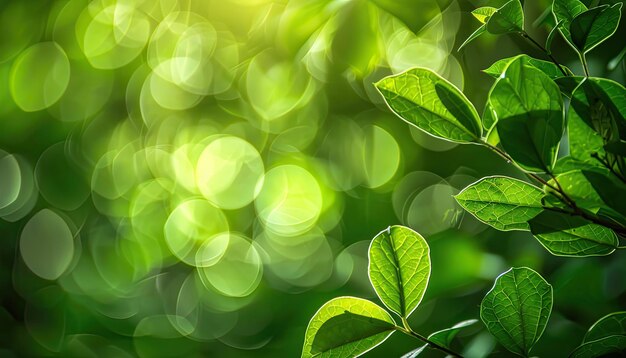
<point>601,347</point>
<point>567,235</point>
<point>564,12</point>
<point>483,14</point>
<point>549,68</point>
<point>501,202</point>
<point>346,327</point>
<point>508,18</point>
<point>530,115</point>
<point>517,308</point>
<point>399,268</point>
<point>592,27</point>
<point>423,98</point>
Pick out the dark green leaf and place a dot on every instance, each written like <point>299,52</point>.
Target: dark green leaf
<point>564,12</point>
<point>479,31</point>
<point>489,117</point>
<point>567,235</point>
<point>617,147</point>
<point>551,35</point>
<point>549,68</point>
<point>601,347</point>
<point>426,100</point>
<point>517,308</point>
<point>592,27</point>
<point>610,190</point>
<point>508,18</point>
<point>529,108</point>
<point>445,336</point>
<point>501,202</point>
<point>399,268</point>
<point>346,327</point>
<point>609,325</point>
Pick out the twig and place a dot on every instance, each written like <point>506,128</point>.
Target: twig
<point>539,46</point>
<point>408,331</point>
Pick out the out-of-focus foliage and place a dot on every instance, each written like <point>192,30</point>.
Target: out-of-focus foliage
<point>195,178</point>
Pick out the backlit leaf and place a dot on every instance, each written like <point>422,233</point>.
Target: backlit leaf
<point>549,68</point>
<point>592,27</point>
<point>564,12</point>
<point>483,14</point>
<point>508,18</point>
<point>609,325</point>
<point>601,347</point>
<point>517,308</point>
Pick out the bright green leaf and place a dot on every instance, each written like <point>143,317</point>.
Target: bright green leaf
<point>601,347</point>
<point>568,164</point>
<point>346,327</point>
<point>549,68</point>
<point>399,268</point>
<point>564,12</point>
<point>489,117</point>
<point>609,325</point>
<point>508,18</point>
<point>517,308</point>
<point>479,31</point>
<point>483,14</point>
<point>566,235</point>
<point>423,98</point>
<point>501,202</point>
<point>445,336</point>
<point>592,27</point>
<point>530,123</point>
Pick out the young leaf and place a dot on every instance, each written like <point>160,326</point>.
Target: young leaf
<point>530,123</point>
<point>346,327</point>
<point>483,14</point>
<point>508,18</point>
<point>566,235</point>
<point>601,348</point>
<point>423,98</point>
<point>502,203</point>
<point>445,336</point>
<point>592,27</point>
<point>399,268</point>
<point>479,31</point>
<point>564,12</point>
<point>609,325</point>
<point>517,308</point>
<point>549,68</point>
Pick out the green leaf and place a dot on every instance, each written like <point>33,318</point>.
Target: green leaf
<point>592,27</point>
<point>423,98</point>
<point>489,117</point>
<point>551,35</point>
<point>549,68</point>
<point>609,325</point>
<point>601,347</point>
<point>517,308</point>
<point>530,123</point>
<point>346,327</point>
<point>399,268</point>
<point>479,31</point>
<point>566,235</point>
<point>568,164</point>
<point>502,203</point>
<point>597,115</point>
<point>617,147</point>
<point>564,12</point>
<point>445,336</point>
<point>483,14</point>
<point>610,190</point>
<point>508,18</point>
<point>568,84</point>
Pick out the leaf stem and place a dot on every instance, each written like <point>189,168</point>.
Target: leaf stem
<point>408,331</point>
<point>560,194</point>
<point>540,47</point>
<point>583,60</point>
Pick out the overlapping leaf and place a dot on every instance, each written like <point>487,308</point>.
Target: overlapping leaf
<point>530,115</point>
<point>517,308</point>
<point>592,27</point>
<point>346,327</point>
<point>399,268</point>
<point>501,202</point>
<point>549,68</point>
<point>564,12</point>
<point>508,18</point>
<point>424,99</point>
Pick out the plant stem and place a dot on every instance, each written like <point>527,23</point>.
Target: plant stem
<point>560,194</point>
<point>539,46</point>
<point>583,60</point>
<point>606,164</point>
<point>408,331</point>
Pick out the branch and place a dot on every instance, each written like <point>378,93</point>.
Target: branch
<point>540,47</point>
<point>408,331</point>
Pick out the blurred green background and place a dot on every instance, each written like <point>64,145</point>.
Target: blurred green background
<point>197,177</point>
